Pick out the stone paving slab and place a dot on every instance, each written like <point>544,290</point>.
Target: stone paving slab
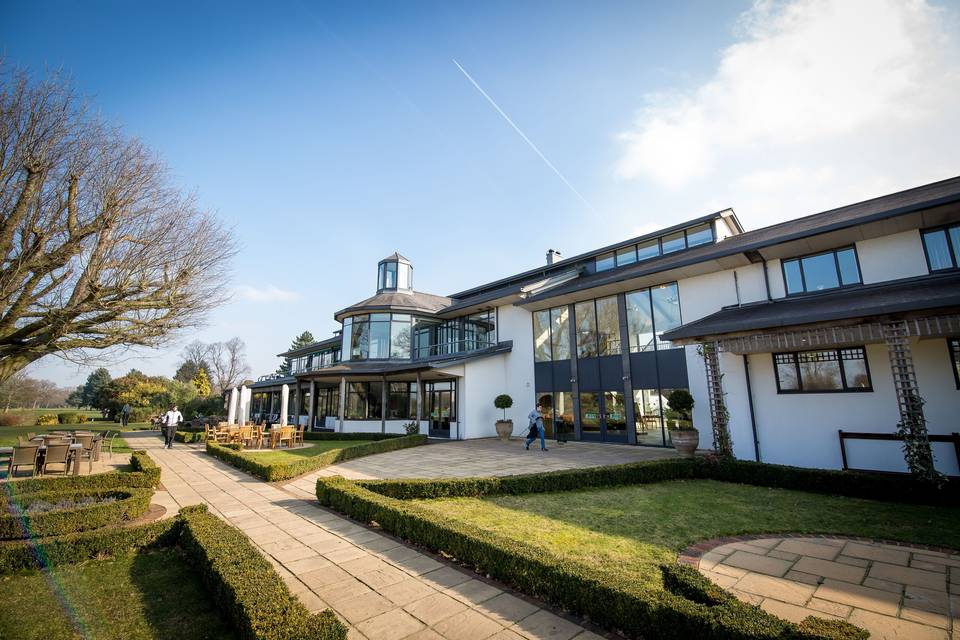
<point>381,588</point>
<point>892,591</point>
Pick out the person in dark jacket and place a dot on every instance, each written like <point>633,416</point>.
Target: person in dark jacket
<point>536,428</point>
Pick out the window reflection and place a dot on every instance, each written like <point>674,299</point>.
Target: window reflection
<point>586,318</point>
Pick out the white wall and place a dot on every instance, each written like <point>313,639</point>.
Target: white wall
<point>892,257</point>
<point>373,426</point>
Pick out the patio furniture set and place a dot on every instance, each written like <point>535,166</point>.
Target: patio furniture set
<point>57,451</point>
<point>255,436</point>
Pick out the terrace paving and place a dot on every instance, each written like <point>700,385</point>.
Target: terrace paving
<point>381,588</point>
<point>892,591</point>
<point>485,457</point>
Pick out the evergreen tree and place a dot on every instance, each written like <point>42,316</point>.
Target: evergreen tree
<point>93,390</point>
<point>301,340</point>
<point>188,370</point>
<point>202,382</point>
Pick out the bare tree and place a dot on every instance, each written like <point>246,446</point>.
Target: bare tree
<point>97,249</point>
<point>229,362</point>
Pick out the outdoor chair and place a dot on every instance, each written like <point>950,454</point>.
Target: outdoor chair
<point>298,436</point>
<point>55,439</point>
<point>23,457</point>
<point>108,437</point>
<point>56,454</point>
<point>23,442</point>
<point>86,452</point>
<point>31,435</point>
<point>245,435</point>
<point>209,433</point>
<point>286,434</point>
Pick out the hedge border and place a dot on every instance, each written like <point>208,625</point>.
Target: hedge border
<point>689,606</point>
<point>852,484</point>
<point>145,474</point>
<point>245,585</point>
<point>188,437</point>
<point>130,504</point>
<point>334,435</point>
<point>286,470</point>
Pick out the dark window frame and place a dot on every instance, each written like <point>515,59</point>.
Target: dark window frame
<point>659,242</point>
<point>533,324</point>
<point>953,348</point>
<point>836,265</point>
<point>953,254</point>
<point>843,373</point>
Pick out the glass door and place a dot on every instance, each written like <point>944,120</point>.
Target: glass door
<point>603,417</point>
<point>441,407</point>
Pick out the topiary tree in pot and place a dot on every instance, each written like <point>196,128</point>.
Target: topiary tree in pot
<point>683,435</point>
<point>505,426</point>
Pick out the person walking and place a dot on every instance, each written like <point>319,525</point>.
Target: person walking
<point>536,428</point>
<point>125,415</point>
<point>171,419</point>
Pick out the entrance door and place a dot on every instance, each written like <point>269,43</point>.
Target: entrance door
<point>603,417</point>
<point>441,407</point>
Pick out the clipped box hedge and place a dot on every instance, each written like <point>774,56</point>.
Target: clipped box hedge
<point>71,417</point>
<point>15,522</point>
<point>852,484</point>
<point>688,606</point>
<point>246,588</point>
<point>189,436</point>
<point>333,435</point>
<point>286,470</point>
<point>145,474</point>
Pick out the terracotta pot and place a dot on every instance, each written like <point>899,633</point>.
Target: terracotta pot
<point>685,441</point>
<point>504,429</point>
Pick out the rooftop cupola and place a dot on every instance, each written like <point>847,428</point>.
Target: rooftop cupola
<point>394,273</point>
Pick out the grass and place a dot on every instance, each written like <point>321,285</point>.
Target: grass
<point>137,596</point>
<point>633,529</point>
<point>315,448</point>
<point>8,435</point>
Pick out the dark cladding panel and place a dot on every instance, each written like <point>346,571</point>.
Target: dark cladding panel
<point>543,376</point>
<point>588,374</point>
<point>673,369</point>
<point>611,373</point>
<point>561,375</point>
<point>643,370</point>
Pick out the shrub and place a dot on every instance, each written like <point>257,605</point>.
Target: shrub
<point>244,585</point>
<point>47,419</point>
<point>333,435</point>
<point>681,401</point>
<point>504,402</point>
<point>687,607</point>
<point>411,428</point>
<point>73,417</point>
<point>145,474</point>
<point>189,436</point>
<point>18,521</point>
<point>12,419</point>
<point>287,470</point>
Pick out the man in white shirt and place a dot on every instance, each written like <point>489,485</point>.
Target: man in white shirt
<point>171,419</point>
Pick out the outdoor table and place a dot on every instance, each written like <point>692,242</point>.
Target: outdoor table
<point>72,459</point>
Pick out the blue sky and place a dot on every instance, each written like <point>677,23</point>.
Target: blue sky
<point>331,135</point>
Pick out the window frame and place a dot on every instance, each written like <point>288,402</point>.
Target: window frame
<point>843,373</point>
<point>953,349</point>
<point>945,229</point>
<point>658,241</point>
<point>836,265</point>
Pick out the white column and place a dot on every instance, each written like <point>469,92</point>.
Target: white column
<point>244,417</point>
<point>284,404</point>
<point>232,407</point>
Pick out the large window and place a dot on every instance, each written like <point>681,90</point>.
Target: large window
<point>443,337</point>
<point>387,276</point>
<point>677,241</point>
<point>821,271</point>
<point>598,327</point>
<point>650,312</point>
<point>953,344</point>
<point>822,371</point>
<point>586,316</point>
<point>402,401</point>
<point>364,401</point>
<point>551,334</point>
<point>377,336</point>
<point>942,247</point>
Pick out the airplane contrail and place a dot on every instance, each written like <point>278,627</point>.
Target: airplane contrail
<point>524,136</point>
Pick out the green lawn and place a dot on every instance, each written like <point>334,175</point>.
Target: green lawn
<point>137,596</point>
<point>315,448</point>
<point>8,435</point>
<point>632,529</point>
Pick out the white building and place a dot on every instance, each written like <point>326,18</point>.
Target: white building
<point>805,317</point>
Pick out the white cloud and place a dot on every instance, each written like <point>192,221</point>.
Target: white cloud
<point>269,293</point>
<point>871,83</point>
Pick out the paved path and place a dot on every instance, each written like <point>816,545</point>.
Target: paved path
<point>486,457</point>
<point>382,589</point>
<point>890,590</point>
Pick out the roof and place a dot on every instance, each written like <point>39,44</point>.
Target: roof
<point>395,257</point>
<point>402,301</point>
<point>273,382</point>
<point>938,291</point>
<point>313,346</point>
<point>888,206</point>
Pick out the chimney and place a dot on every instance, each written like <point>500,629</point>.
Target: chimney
<point>552,256</point>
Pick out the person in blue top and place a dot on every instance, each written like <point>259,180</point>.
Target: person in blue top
<point>536,428</point>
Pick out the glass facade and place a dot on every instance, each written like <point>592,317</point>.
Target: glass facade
<point>586,316</point>
<point>551,334</point>
<point>677,241</point>
<point>650,312</point>
<point>942,247</point>
<point>821,271</point>
<point>377,336</point>
<point>432,337</point>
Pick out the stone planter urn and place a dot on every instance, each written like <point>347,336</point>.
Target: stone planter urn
<point>504,429</point>
<point>685,441</point>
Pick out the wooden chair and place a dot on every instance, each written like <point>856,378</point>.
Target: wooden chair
<point>286,434</point>
<point>246,436</point>
<point>56,454</point>
<point>209,433</point>
<point>298,436</point>
<point>23,457</point>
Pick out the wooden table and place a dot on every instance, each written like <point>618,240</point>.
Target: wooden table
<point>72,459</point>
